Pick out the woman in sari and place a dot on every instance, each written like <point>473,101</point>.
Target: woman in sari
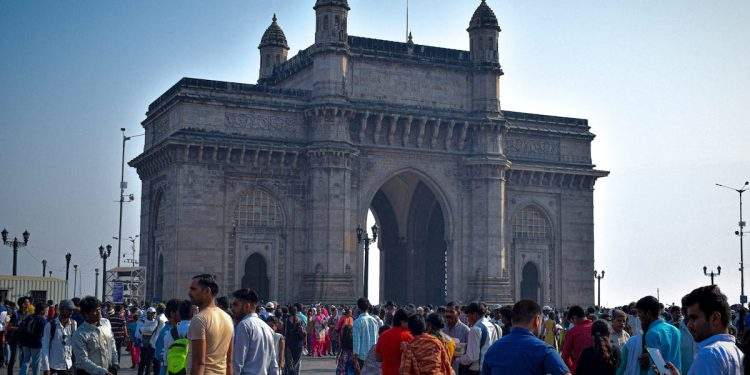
<point>310,329</point>
<point>321,332</point>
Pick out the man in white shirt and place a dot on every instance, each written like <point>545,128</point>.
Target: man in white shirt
<point>708,321</point>
<point>253,351</point>
<point>481,335</point>
<point>57,345</point>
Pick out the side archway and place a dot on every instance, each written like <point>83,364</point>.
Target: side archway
<point>532,251</point>
<point>256,275</point>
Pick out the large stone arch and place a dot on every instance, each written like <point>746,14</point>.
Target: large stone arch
<point>414,218</point>
<point>257,225</point>
<point>532,234</point>
<point>157,223</point>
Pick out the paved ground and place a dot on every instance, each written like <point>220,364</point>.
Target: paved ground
<point>310,366</point>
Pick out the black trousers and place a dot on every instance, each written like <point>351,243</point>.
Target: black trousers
<point>61,372</point>
<point>118,345</point>
<point>292,358</point>
<point>147,361</point>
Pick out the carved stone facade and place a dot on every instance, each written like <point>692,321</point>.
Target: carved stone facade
<point>264,185</point>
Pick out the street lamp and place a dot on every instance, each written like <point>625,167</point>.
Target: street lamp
<point>599,287</point>
<point>104,255</point>
<point>712,274</point>
<point>96,283</point>
<point>67,273</point>
<point>75,279</point>
<point>44,267</point>
<point>740,233</point>
<point>123,186</point>
<point>15,244</point>
<point>363,238</point>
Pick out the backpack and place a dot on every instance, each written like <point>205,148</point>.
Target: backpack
<point>177,354</point>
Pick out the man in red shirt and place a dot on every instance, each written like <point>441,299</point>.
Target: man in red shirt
<point>577,338</point>
<point>388,348</point>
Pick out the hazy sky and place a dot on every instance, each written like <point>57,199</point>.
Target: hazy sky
<point>664,86</point>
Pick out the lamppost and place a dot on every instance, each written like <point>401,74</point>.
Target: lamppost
<point>44,267</point>
<point>75,279</point>
<point>123,186</point>
<point>712,274</point>
<point>363,238</point>
<point>599,287</point>
<point>96,283</point>
<point>50,274</point>
<point>67,273</point>
<point>104,255</point>
<point>15,244</point>
<point>740,233</point>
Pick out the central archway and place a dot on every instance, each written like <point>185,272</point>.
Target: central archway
<point>413,248</point>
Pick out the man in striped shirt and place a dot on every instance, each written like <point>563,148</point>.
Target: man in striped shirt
<point>119,329</point>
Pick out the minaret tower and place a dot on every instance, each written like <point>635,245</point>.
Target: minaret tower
<point>484,31</point>
<point>273,49</point>
<point>331,51</point>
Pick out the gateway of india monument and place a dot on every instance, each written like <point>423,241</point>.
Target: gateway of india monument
<point>265,185</point>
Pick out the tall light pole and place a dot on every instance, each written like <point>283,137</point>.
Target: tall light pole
<point>599,287</point>
<point>123,186</point>
<point>68,256</point>
<point>15,244</point>
<point>364,238</point>
<point>44,267</point>
<point>712,274</point>
<point>75,279</point>
<point>740,233</point>
<point>96,283</point>
<point>104,255</point>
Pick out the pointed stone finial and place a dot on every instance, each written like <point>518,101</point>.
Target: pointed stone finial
<point>274,17</point>
<point>410,41</point>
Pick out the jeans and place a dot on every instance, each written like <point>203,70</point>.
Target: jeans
<point>12,357</point>
<point>292,358</point>
<point>29,358</point>
<point>118,346</point>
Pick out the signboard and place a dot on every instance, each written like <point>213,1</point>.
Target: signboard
<point>117,292</point>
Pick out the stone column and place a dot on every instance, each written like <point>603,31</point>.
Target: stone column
<point>331,274</point>
<point>485,170</point>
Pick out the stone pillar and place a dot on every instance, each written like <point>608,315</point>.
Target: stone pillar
<point>488,280</point>
<point>331,274</point>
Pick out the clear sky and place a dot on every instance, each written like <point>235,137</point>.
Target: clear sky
<point>664,86</point>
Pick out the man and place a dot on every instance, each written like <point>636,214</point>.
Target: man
<point>119,328</point>
<point>364,332</point>
<point>658,333</point>
<point>181,320</point>
<point>481,336</point>
<point>390,310</point>
<point>254,351</point>
<point>619,337</point>
<point>708,321</point>
<point>210,330</point>
<point>294,339</point>
<point>687,344</point>
<point>521,352</point>
<point>32,329</point>
<point>455,328</point>
<point>332,331</point>
<point>57,348</point>
<point>577,338</point>
<point>17,314</point>
<point>173,317</point>
<point>634,323</point>
<point>388,348</point>
<point>145,332</point>
<point>93,342</point>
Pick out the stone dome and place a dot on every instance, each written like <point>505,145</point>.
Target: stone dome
<point>274,36</point>
<point>483,18</point>
<point>336,3</point>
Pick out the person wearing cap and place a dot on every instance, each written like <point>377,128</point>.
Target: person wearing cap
<point>57,349</point>
<point>145,331</point>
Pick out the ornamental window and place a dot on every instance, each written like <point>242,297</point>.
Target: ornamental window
<point>531,224</point>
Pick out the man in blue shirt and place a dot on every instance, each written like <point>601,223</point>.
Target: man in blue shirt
<point>659,334</point>
<point>521,352</point>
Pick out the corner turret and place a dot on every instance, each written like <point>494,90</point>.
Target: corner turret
<point>484,31</point>
<point>273,49</point>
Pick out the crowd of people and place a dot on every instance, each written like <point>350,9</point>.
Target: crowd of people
<point>212,335</point>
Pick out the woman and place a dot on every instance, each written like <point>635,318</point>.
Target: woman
<point>602,358</point>
<point>550,331</point>
<point>425,354</point>
<point>311,340</point>
<point>435,325</point>
<point>345,360</point>
<point>133,348</point>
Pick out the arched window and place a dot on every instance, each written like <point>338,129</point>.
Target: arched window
<point>531,224</point>
<point>257,208</point>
